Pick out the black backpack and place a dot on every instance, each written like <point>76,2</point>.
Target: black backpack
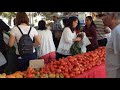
<point>25,45</point>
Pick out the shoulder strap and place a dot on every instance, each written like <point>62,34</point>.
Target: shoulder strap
<point>29,30</point>
<point>20,30</point>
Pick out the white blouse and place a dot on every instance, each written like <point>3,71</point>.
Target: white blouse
<point>47,44</point>
<point>66,41</point>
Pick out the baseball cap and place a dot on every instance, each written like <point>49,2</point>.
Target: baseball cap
<point>56,15</point>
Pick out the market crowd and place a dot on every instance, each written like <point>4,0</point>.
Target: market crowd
<point>56,42</point>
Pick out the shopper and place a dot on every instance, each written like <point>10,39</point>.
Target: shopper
<point>22,23</point>
<point>112,62</point>
<point>102,30</point>
<point>68,38</point>
<point>47,49</point>
<point>56,29</point>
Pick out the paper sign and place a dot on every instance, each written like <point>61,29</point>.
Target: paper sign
<point>38,63</point>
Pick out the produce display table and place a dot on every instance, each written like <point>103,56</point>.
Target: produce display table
<point>95,72</point>
<point>91,64</point>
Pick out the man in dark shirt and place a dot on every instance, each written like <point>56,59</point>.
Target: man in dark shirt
<point>3,27</point>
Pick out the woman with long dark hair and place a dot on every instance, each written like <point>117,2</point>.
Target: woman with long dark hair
<point>68,38</point>
<point>90,30</point>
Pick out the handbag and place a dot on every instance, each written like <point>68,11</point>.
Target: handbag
<point>11,60</point>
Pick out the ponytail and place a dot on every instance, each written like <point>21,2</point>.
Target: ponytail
<point>92,23</point>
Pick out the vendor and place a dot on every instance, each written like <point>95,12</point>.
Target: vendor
<point>90,30</point>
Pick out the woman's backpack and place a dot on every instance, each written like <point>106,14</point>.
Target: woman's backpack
<point>25,45</point>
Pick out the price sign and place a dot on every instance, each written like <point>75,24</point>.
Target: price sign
<point>38,63</point>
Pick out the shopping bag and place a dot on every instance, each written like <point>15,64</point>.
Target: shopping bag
<point>5,38</point>
<point>2,59</point>
<point>11,60</point>
<point>85,40</point>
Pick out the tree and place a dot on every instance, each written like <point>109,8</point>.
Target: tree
<point>8,15</point>
<point>46,15</point>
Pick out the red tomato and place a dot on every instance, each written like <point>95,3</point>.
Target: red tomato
<point>58,70</point>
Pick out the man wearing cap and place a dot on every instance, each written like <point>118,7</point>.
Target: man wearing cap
<point>56,29</point>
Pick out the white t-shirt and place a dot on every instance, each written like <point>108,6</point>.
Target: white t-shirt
<point>16,32</point>
<point>66,41</point>
<point>47,44</point>
<point>113,54</point>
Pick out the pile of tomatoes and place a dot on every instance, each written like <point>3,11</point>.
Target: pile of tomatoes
<point>75,65</point>
<point>69,67</point>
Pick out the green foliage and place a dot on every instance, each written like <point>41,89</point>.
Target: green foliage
<point>47,15</point>
<point>8,15</point>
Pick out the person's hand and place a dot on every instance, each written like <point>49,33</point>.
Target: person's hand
<point>78,39</point>
<point>90,37</point>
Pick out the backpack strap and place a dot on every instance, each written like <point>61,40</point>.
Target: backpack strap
<point>29,30</point>
<point>20,30</point>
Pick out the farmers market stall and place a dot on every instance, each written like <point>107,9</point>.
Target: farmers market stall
<point>86,65</point>
<point>95,72</point>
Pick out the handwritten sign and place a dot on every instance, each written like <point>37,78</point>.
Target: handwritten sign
<point>38,63</point>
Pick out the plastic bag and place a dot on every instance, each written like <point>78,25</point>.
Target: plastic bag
<point>2,59</point>
<point>85,40</point>
<point>12,60</point>
<point>6,37</point>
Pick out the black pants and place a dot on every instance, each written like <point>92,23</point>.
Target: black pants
<point>24,62</point>
<point>102,42</point>
<point>2,68</point>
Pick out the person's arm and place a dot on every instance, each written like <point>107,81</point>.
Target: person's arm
<point>11,40</point>
<point>12,37</point>
<point>90,37</point>
<point>36,37</point>
<point>107,30</point>
<point>78,39</point>
<point>4,26</point>
<point>37,40</point>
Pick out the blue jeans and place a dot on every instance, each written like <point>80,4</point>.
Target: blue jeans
<point>24,62</point>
